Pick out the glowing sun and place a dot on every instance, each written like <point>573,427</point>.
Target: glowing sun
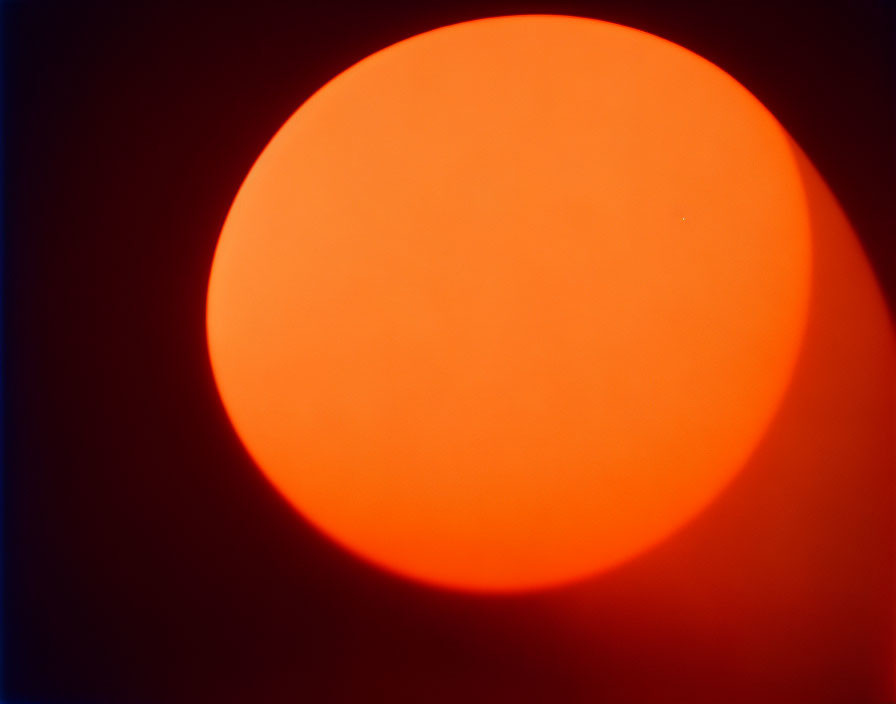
<point>506,303</point>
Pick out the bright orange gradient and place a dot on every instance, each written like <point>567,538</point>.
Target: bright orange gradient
<point>508,302</point>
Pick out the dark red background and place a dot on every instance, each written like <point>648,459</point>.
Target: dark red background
<point>145,559</point>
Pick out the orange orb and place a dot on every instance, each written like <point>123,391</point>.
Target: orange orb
<point>504,304</point>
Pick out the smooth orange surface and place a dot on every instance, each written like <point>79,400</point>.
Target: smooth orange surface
<point>508,302</point>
